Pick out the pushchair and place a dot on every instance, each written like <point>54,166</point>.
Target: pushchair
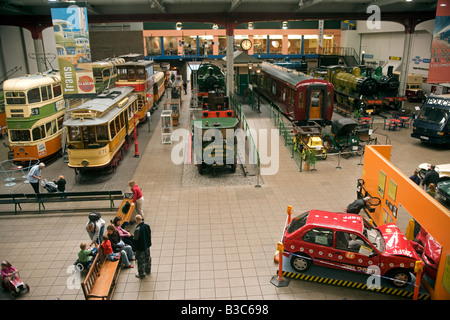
<point>14,285</point>
<point>50,186</point>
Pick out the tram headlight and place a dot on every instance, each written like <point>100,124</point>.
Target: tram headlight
<point>85,163</point>
<point>21,150</point>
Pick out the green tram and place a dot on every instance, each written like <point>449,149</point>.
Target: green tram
<point>215,144</point>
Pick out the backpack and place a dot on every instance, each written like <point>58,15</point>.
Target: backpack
<point>94,216</point>
<point>126,207</point>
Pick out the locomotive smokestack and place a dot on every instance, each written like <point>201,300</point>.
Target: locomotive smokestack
<point>390,71</point>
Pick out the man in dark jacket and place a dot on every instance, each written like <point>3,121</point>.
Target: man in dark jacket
<point>356,206</point>
<point>432,176</point>
<point>142,241</point>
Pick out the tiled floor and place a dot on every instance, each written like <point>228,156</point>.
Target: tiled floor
<point>214,242</point>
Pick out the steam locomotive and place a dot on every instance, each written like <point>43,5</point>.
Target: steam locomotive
<point>209,78</point>
<point>354,91</point>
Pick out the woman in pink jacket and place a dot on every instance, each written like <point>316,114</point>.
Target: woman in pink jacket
<point>138,198</point>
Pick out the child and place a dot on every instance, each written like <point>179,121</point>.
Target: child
<point>84,255</point>
<point>61,184</point>
<point>107,249</point>
<point>8,272</point>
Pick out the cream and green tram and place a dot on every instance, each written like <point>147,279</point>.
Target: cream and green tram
<point>101,130</point>
<point>105,73</point>
<point>34,108</point>
<point>158,85</point>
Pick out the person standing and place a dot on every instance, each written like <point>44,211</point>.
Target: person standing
<point>143,241</point>
<point>138,198</point>
<point>34,176</point>
<point>432,176</point>
<point>415,177</point>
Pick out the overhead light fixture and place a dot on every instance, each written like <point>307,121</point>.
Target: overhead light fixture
<point>215,26</point>
<point>179,25</point>
<point>409,0</point>
<point>250,26</point>
<point>285,25</point>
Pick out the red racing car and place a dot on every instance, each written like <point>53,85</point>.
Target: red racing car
<point>349,242</point>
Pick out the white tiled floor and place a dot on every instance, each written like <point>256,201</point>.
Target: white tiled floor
<point>209,242</point>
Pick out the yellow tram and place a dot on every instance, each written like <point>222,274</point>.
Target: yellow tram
<point>100,130</point>
<point>34,108</point>
<point>158,85</point>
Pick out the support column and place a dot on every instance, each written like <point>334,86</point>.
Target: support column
<point>409,32</point>
<point>230,58</point>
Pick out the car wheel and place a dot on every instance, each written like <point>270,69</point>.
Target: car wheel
<point>400,277</point>
<point>300,262</point>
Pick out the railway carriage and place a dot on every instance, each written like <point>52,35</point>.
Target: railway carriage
<point>139,75</point>
<point>101,130</point>
<point>34,108</point>
<point>301,98</point>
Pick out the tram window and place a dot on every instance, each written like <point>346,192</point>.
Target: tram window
<point>60,123</point>
<point>54,127</point>
<point>112,129</point>
<point>118,126</point>
<point>38,133</point>
<point>106,72</point>
<point>74,134</point>
<point>48,128</point>
<point>102,133</point>
<point>122,120</point>
<point>131,74</point>
<point>122,73</point>
<point>19,135</point>
<point>140,72</point>
<point>15,97</point>
<point>57,90</point>
<point>33,95</point>
<point>46,93</point>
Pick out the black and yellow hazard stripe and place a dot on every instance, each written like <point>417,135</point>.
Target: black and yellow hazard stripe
<point>354,284</point>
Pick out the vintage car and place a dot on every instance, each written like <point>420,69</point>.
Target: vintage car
<point>348,242</point>
<point>442,169</point>
<point>443,189</point>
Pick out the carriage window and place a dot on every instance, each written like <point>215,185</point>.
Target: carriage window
<point>15,97</point>
<point>112,129</point>
<point>106,72</point>
<point>122,121</point>
<point>316,98</point>
<point>102,133</point>
<point>329,99</point>
<point>38,133</point>
<point>74,134</point>
<point>57,90</point>
<point>48,128</point>
<point>19,135</point>
<point>300,100</point>
<point>34,96</point>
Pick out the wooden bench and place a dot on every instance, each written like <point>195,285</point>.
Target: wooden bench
<point>101,279</point>
<point>42,198</point>
<point>126,217</point>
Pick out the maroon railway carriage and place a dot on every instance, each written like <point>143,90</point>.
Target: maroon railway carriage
<point>300,97</point>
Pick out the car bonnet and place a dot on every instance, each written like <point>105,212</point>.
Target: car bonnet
<point>396,243</point>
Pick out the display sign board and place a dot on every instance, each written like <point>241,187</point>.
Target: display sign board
<point>440,54</point>
<point>395,58</point>
<point>321,23</point>
<point>71,31</point>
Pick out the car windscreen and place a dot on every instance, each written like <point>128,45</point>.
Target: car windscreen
<point>433,114</point>
<point>298,222</point>
<point>374,236</point>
